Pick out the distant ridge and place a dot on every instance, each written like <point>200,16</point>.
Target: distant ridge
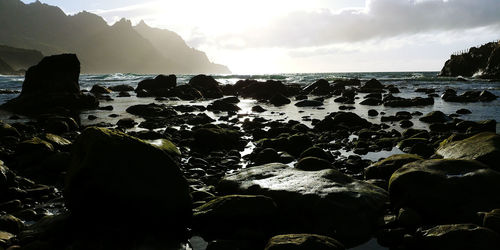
<point>17,60</point>
<point>101,48</point>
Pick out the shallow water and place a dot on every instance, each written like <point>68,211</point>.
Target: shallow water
<point>407,82</point>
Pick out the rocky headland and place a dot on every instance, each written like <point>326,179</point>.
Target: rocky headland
<point>482,61</point>
<point>171,173</point>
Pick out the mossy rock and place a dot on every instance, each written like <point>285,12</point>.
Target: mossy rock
<point>316,152</point>
<point>233,215</point>
<point>119,180</point>
<point>303,242</point>
<point>313,164</point>
<point>216,138</point>
<point>483,147</point>
<point>7,130</point>
<point>385,168</point>
<point>458,236</point>
<point>324,202</point>
<point>408,143</point>
<point>445,190</point>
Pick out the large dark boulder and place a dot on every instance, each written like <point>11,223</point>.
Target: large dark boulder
<point>483,147</point>
<point>260,90</point>
<point>446,190</point>
<point>345,120</point>
<point>159,86</point>
<point>122,182</point>
<point>52,84</point>
<point>323,202</point>
<point>207,85</point>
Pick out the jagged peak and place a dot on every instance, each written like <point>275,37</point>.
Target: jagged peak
<point>142,24</point>
<point>124,22</point>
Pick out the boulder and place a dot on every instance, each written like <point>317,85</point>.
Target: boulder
<point>158,86</point>
<point>446,191</point>
<point>207,86</point>
<point>187,92</point>
<point>491,220</point>
<point>151,110</point>
<point>121,88</point>
<point>279,100</point>
<point>98,89</point>
<point>121,181</point>
<point>313,164</point>
<point>309,103</point>
<point>347,120</point>
<point>458,236</point>
<point>7,130</point>
<point>483,147</point>
<point>260,90</point>
<point>320,87</point>
<point>303,242</point>
<point>213,138</point>
<point>324,202</point>
<point>372,86</point>
<point>385,168</point>
<point>435,117</point>
<point>50,85</point>
<point>234,216</point>
<point>222,105</point>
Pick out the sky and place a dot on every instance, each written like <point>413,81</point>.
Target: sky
<point>289,36</point>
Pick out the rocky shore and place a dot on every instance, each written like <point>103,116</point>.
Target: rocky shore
<point>170,175</point>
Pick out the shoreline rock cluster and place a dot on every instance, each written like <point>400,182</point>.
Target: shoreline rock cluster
<point>68,186</point>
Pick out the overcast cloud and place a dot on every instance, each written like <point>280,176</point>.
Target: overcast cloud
<point>379,19</point>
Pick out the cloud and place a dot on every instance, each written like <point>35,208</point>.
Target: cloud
<point>379,19</point>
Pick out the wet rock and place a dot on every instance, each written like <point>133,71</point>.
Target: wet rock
<point>231,99</point>
<point>347,120</point>
<point>483,147</point>
<point>372,112</point>
<point>260,90</point>
<point>51,84</point>
<point>8,130</point>
<point>303,242</point>
<point>258,109</point>
<point>313,164</point>
<point>11,224</point>
<point>309,103</point>
<point>385,168</point>
<point>371,102</point>
<point>126,123</point>
<point>463,111</point>
<point>408,217</point>
<point>316,152</point>
<point>207,86</point>
<point>320,87</point>
<point>59,142</point>
<point>108,108</point>
<point>392,101</point>
<point>491,220</point>
<point>458,236</point>
<point>406,124</point>
<point>98,89</point>
<point>465,188</point>
<point>235,216</point>
<point>221,105</point>
<point>267,155</point>
<point>279,100</point>
<point>123,94</point>
<point>118,180</point>
<point>151,110</point>
<point>345,208</point>
<point>159,86</point>
<point>435,117</point>
<point>213,138</point>
<point>372,86</point>
<point>121,88</point>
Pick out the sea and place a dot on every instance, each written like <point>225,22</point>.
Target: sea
<point>406,82</point>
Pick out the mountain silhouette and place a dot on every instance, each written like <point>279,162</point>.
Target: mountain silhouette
<point>16,61</point>
<point>101,48</point>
